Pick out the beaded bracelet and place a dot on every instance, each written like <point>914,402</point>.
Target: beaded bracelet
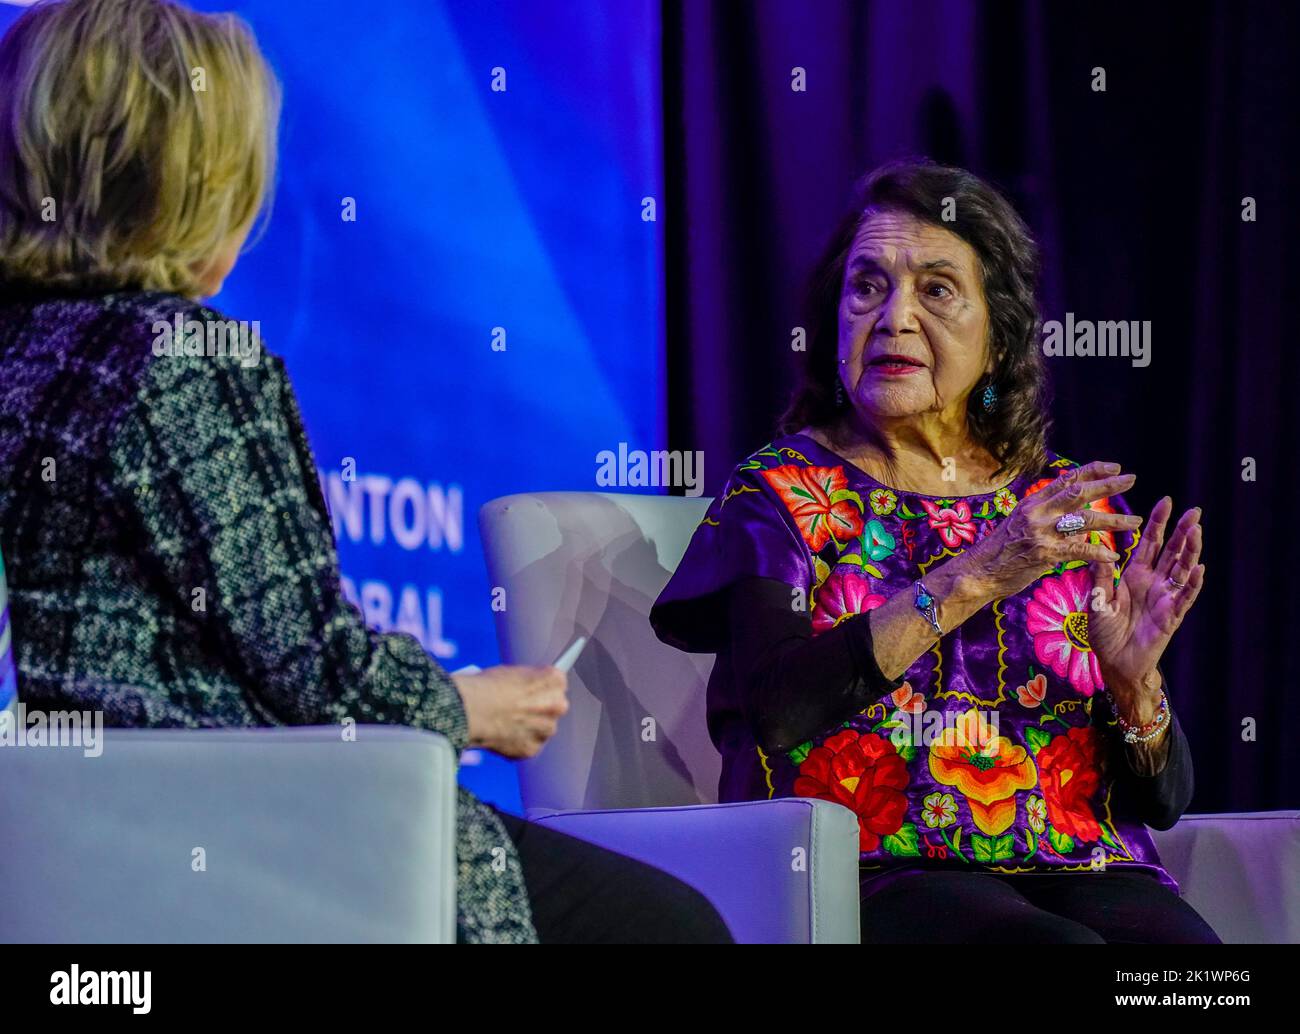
<point>1142,733</point>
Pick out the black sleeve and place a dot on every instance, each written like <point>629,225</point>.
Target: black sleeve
<point>794,685</point>
<point>1157,800</point>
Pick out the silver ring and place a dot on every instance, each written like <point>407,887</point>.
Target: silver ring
<point>1176,585</point>
<point>1069,523</point>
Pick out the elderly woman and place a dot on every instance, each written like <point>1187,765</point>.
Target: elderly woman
<point>922,613</point>
<point>171,560</point>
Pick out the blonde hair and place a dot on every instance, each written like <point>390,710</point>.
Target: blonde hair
<point>137,137</point>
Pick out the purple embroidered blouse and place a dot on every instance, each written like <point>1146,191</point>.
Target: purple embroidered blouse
<point>997,752</point>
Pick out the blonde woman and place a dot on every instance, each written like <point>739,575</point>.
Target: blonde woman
<point>137,148</point>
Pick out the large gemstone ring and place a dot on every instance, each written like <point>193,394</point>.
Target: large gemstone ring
<point>1069,523</point>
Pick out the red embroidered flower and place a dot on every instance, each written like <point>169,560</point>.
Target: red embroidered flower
<point>1069,774</point>
<point>809,494</point>
<point>953,523</point>
<point>1038,486</point>
<point>864,772</point>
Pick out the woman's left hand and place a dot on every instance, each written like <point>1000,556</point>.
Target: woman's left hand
<point>1131,623</point>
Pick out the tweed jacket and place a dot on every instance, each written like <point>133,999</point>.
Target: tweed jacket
<point>171,561</point>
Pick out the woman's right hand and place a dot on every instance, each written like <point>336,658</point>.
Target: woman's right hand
<point>513,709</point>
<point>1027,543</point>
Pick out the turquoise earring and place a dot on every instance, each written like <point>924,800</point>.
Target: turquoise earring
<point>990,398</point>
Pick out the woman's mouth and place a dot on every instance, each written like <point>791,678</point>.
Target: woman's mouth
<point>894,365</point>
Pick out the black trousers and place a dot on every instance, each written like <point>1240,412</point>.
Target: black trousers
<point>954,907</point>
<point>584,894</point>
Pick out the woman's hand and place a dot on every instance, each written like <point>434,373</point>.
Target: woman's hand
<point>1131,624</point>
<point>1027,544</point>
<point>513,709</point>
<point>1021,550</point>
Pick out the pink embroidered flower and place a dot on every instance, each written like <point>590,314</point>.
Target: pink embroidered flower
<point>1057,618</point>
<point>1032,693</point>
<point>953,523</point>
<point>843,594</point>
<point>907,700</point>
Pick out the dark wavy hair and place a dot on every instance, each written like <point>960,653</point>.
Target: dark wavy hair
<point>1015,432</point>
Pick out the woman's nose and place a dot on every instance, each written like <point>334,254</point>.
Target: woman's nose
<point>898,312</point>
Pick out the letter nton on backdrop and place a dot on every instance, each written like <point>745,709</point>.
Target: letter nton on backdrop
<point>483,216</point>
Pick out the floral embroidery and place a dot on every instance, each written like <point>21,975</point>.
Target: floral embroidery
<point>1036,814</point>
<point>953,523</point>
<point>907,700</point>
<point>877,543</point>
<point>822,571</point>
<point>1025,792</point>
<point>1038,486</point>
<point>883,502</point>
<point>844,594</point>
<point>1057,618</point>
<point>987,768</point>
<point>863,772</point>
<point>1105,538</point>
<point>1069,772</point>
<point>939,810</point>
<point>820,502</point>
<point>1031,694</point>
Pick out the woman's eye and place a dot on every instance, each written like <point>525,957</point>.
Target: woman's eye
<point>864,287</point>
<point>938,291</point>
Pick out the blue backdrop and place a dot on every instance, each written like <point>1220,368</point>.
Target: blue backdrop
<point>475,208</point>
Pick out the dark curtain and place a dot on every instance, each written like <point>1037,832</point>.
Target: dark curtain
<point>1135,194</point>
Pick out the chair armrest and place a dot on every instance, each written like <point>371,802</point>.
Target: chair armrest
<point>302,837</point>
<point>779,871</point>
<point>1241,871</point>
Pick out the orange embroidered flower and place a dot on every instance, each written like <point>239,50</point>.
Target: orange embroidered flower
<point>1069,769</point>
<point>1106,538</point>
<point>907,700</point>
<point>820,502</point>
<point>1032,693</point>
<point>988,769</point>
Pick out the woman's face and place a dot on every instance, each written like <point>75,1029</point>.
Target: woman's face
<point>913,324</point>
